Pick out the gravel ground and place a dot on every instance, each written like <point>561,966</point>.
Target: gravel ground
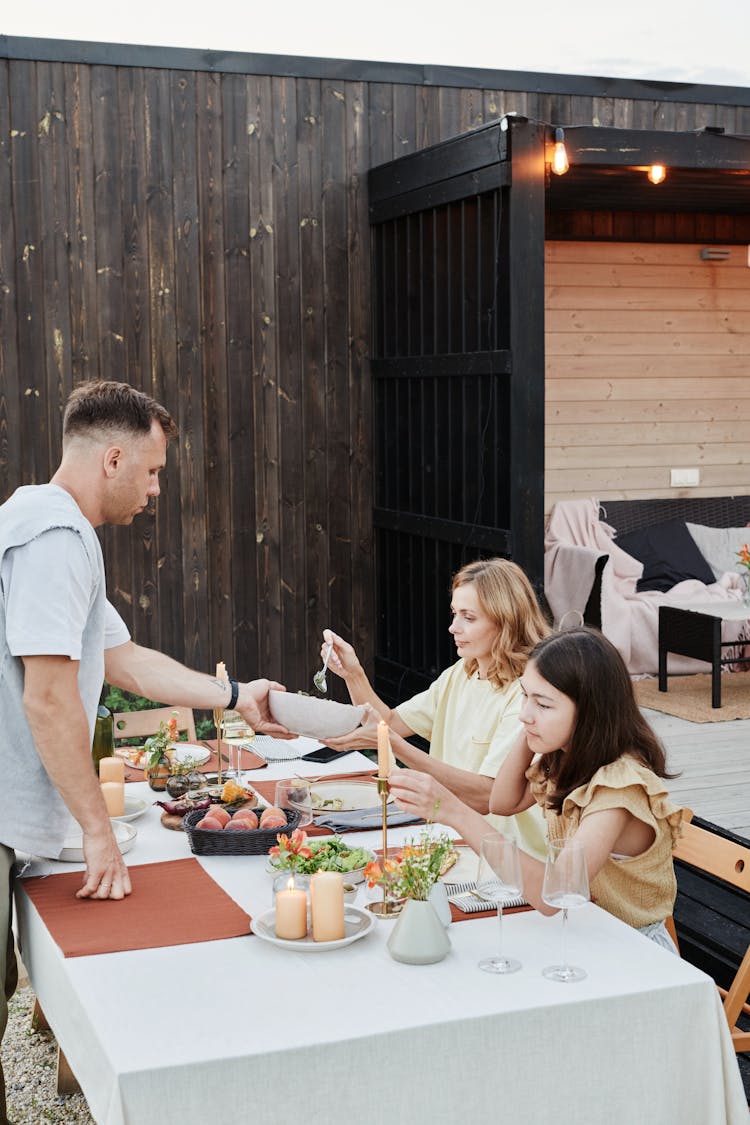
<point>30,1066</point>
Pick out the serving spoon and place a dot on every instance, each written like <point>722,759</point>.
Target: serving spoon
<point>319,679</point>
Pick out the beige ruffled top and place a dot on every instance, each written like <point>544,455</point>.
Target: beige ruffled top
<point>639,889</point>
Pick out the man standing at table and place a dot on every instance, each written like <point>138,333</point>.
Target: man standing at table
<point>60,638</point>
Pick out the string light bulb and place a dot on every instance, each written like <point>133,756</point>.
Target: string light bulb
<point>657,173</point>
<point>560,163</point>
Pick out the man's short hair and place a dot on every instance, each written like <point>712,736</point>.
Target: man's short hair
<point>105,405</point>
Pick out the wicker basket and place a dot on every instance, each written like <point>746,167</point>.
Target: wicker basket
<point>211,841</point>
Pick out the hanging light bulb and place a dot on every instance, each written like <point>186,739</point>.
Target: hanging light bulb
<point>560,163</point>
<point>657,173</point>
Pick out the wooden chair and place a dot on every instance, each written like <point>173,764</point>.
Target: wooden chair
<point>140,724</point>
<point>730,862</point>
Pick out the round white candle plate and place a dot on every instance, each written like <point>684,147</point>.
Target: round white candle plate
<point>357,923</point>
<point>72,851</point>
<point>133,809</point>
<point>343,796</point>
<point>134,755</point>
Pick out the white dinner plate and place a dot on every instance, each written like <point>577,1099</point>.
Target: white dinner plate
<point>357,923</point>
<point>199,754</point>
<point>353,795</point>
<point>72,851</point>
<point>133,809</point>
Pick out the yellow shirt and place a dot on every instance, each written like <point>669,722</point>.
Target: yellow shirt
<point>638,889</point>
<point>470,724</point>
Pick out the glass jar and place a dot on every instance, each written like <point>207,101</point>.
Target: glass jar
<point>158,773</point>
<point>177,785</point>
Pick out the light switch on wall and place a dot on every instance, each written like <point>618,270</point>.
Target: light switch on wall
<point>684,478</point>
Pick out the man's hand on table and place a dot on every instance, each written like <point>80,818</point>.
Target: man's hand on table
<point>106,874</point>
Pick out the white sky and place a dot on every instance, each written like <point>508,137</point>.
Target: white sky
<point>670,40</point>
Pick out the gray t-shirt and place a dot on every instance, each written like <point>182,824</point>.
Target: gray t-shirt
<point>52,602</point>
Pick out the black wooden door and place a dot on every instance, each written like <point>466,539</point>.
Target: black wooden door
<point>458,382</point>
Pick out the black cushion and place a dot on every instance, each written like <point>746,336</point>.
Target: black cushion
<point>669,555</point>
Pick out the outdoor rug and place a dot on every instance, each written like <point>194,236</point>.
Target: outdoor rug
<point>689,697</point>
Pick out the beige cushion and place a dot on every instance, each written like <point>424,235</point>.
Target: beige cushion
<point>719,546</point>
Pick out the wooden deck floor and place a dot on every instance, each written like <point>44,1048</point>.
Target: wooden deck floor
<point>713,760</point>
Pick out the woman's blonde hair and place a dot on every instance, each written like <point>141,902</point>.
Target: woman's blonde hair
<point>506,596</point>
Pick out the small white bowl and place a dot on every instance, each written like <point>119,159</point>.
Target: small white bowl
<point>314,718</point>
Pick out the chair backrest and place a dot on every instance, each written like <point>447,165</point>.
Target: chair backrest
<point>719,857</point>
<point>729,861</point>
<point>140,724</point>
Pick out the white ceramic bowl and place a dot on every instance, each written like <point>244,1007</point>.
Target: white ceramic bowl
<point>315,718</point>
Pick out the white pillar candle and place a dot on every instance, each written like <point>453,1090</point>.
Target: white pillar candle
<point>114,797</point>
<point>327,899</point>
<point>384,749</point>
<point>291,913</point>
<point>112,769</point>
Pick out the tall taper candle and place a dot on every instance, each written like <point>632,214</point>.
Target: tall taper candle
<point>383,749</point>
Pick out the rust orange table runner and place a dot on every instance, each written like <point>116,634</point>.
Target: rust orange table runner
<point>154,915</point>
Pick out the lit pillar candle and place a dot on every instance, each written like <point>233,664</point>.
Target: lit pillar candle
<point>291,913</point>
<point>221,670</point>
<point>384,750</point>
<point>327,901</point>
<point>112,769</point>
<point>114,797</point>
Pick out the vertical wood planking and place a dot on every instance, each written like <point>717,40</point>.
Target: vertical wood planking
<point>237,454</point>
<point>214,342</point>
<point>10,444</point>
<point>189,369</point>
<point>289,226</point>
<point>29,271</point>
<point>265,437</point>
<point>314,380</point>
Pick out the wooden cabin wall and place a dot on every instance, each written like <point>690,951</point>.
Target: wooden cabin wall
<point>647,369</point>
<point>205,236</point>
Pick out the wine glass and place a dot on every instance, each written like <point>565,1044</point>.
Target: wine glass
<point>498,879</point>
<point>566,886</point>
<point>237,735</point>
<point>294,796</point>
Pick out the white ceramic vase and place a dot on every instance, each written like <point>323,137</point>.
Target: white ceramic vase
<point>439,899</point>
<point>418,936</point>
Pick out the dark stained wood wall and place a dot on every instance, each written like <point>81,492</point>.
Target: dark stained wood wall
<point>205,236</point>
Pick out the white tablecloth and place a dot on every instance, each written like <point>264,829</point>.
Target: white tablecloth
<point>243,1030</point>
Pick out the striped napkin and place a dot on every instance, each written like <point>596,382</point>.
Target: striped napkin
<point>281,749</point>
<point>462,896</point>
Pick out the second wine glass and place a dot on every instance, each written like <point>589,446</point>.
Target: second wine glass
<point>565,886</point>
<point>498,879</point>
<point>294,796</point>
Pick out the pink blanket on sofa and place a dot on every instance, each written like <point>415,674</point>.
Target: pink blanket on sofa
<point>574,540</point>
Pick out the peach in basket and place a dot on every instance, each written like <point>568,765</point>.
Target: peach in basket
<point>315,718</point>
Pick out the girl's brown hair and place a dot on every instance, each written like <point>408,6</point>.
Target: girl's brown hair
<point>588,669</point>
<point>506,596</point>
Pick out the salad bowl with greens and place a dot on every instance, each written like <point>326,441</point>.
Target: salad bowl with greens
<point>307,856</point>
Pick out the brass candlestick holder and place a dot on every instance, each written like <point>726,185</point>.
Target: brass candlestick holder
<point>387,908</point>
<point>218,723</point>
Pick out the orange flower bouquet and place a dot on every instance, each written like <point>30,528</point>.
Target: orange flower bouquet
<point>413,873</point>
<point>291,851</point>
<point>744,556</point>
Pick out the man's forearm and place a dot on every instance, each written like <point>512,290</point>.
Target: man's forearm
<point>143,671</point>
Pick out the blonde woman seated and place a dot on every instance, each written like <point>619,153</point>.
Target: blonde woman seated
<point>470,713</point>
<point>591,762</point>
